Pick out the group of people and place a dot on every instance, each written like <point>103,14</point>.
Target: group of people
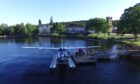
<point>80,52</point>
<point>63,53</point>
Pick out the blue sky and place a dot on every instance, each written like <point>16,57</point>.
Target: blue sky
<point>17,11</point>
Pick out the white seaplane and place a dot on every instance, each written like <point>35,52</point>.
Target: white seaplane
<point>63,55</point>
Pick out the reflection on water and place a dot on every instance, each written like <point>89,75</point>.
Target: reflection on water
<point>31,66</point>
<point>114,49</point>
<point>11,48</point>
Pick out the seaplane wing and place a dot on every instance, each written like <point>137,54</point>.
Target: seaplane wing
<point>81,47</point>
<point>41,48</point>
<point>47,48</point>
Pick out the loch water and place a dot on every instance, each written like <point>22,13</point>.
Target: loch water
<point>31,66</point>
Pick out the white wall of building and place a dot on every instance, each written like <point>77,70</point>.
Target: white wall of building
<point>44,29</point>
<point>75,29</point>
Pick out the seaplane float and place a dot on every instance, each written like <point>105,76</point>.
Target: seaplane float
<point>63,55</point>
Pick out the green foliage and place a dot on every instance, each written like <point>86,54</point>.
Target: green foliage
<point>39,22</point>
<point>18,30</point>
<point>76,23</point>
<point>101,36</point>
<point>5,30</point>
<point>2,27</point>
<point>51,21</point>
<point>54,34</point>
<point>115,23</point>
<point>132,42</point>
<point>8,31</point>
<point>32,30</point>
<point>0,30</point>
<point>92,35</point>
<point>130,21</point>
<point>99,25</point>
<point>57,28</point>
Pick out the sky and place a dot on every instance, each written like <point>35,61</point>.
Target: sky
<point>30,11</point>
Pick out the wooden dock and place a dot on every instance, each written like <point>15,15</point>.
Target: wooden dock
<point>84,60</point>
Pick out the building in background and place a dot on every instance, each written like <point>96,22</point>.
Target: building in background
<point>44,28</point>
<point>109,20</point>
<point>75,28</point>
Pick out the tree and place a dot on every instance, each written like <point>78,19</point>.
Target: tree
<point>8,31</point>
<point>57,28</point>
<point>115,23</point>
<point>130,21</point>
<point>20,30</point>
<point>39,22</point>
<point>11,30</point>
<point>51,21</point>
<point>31,29</point>
<point>4,29</point>
<point>0,30</point>
<point>99,25</point>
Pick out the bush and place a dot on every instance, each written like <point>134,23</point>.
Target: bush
<point>92,35</point>
<point>54,34</point>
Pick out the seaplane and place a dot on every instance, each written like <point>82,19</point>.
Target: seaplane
<point>63,55</point>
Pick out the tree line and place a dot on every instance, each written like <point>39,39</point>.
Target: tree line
<point>19,30</point>
<point>98,25</point>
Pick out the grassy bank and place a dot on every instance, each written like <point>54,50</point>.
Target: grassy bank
<point>132,42</point>
<point>113,35</point>
<point>127,38</point>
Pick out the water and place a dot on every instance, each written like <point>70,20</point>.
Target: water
<point>31,66</point>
